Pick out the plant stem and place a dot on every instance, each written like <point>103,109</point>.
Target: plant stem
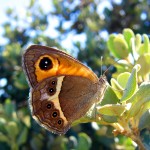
<point>132,133</point>
<point>138,141</point>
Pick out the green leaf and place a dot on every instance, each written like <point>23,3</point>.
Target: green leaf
<point>145,120</point>
<point>12,129</point>
<point>140,100</point>
<point>145,47</point>
<point>144,61</point>
<point>4,138</point>
<point>60,143</point>
<point>9,107</point>
<point>20,81</point>
<point>110,45</point>
<point>111,110</point>
<point>1,109</point>
<point>26,120</point>
<point>116,88</point>
<point>109,97</point>
<point>92,25</point>
<point>121,47</point>
<point>123,79</point>
<point>84,119</point>
<point>118,46</point>
<point>144,107</point>
<point>37,142</point>
<point>84,142</point>
<point>146,43</point>
<point>128,34</point>
<point>131,85</point>
<point>2,124</point>
<point>108,119</point>
<point>31,3</point>
<point>22,136</point>
<point>133,47</point>
<point>138,42</point>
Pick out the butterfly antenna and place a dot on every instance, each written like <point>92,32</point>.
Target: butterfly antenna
<point>110,66</point>
<point>107,69</point>
<point>101,64</point>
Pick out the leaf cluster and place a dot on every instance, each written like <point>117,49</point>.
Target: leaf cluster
<point>126,102</point>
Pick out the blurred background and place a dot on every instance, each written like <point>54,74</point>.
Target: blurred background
<point>80,27</point>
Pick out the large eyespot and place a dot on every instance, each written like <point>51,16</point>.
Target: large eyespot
<point>45,63</point>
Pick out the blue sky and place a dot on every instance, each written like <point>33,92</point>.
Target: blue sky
<point>5,4</point>
<point>20,8</point>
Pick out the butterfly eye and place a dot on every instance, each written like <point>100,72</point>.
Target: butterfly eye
<point>45,63</point>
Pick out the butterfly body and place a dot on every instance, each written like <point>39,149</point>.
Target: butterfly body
<point>62,89</point>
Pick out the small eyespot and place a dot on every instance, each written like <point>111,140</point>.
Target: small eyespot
<point>51,90</point>
<point>49,106</point>
<point>45,63</point>
<point>54,114</point>
<point>59,122</point>
<point>53,82</point>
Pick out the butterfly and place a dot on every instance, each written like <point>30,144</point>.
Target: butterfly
<point>62,89</point>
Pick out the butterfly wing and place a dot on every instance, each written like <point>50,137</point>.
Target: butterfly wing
<point>58,101</point>
<point>41,62</point>
<point>62,88</point>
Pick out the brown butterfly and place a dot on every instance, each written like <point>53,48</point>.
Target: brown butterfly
<point>62,89</point>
